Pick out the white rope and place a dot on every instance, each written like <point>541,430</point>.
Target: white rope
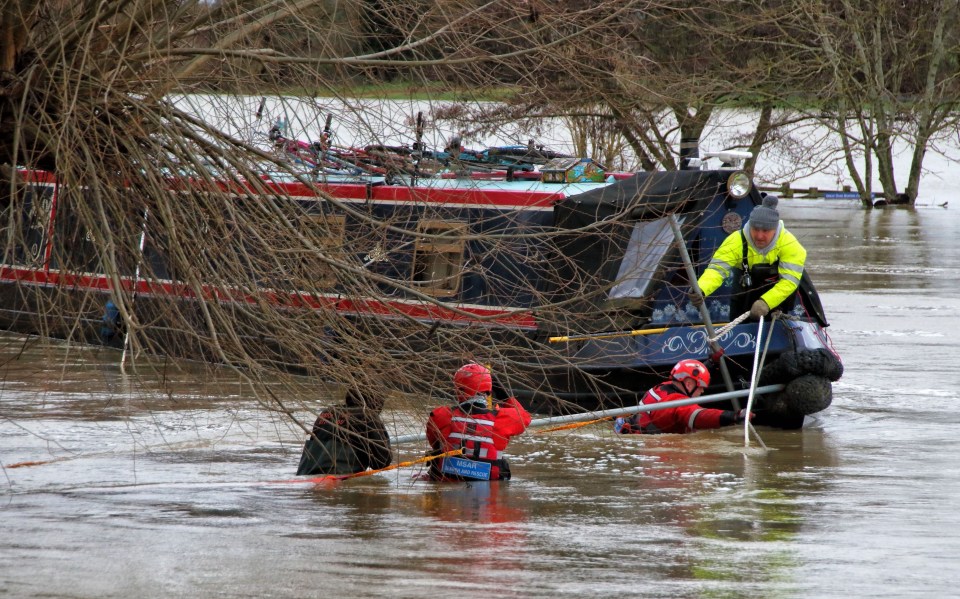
<point>763,359</point>
<point>754,377</point>
<point>723,330</point>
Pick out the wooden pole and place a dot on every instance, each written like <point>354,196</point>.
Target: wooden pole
<point>704,312</point>
<point>632,333</point>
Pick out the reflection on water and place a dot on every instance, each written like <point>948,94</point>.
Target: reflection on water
<point>167,484</point>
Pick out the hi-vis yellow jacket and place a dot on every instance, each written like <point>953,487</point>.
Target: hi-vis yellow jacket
<point>784,247</point>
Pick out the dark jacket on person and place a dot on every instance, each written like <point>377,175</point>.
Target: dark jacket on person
<point>346,440</point>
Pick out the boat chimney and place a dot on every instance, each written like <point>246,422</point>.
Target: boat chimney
<point>689,153</point>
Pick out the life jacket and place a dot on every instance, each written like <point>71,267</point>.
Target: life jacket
<point>471,429</point>
<point>667,391</point>
<point>753,282</point>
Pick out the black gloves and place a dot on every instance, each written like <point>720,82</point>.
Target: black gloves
<point>696,298</point>
<point>730,417</point>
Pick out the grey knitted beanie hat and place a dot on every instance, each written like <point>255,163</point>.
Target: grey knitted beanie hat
<point>765,216</point>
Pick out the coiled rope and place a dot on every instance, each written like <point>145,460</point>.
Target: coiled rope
<point>723,330</point>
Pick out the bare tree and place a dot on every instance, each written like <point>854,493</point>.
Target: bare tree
<point>215,243</point>
<point>885,76</point>
<point>172,201</point>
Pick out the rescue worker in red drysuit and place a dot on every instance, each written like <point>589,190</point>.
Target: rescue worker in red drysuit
<point>688,379</point>
<point>480,430</point>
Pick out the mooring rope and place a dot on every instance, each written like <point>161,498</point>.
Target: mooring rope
<point>723,330</point>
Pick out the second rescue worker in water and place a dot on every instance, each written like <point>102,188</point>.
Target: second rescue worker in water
<point>688,379</point>
<point>770,261</point>
<point>480,430</point>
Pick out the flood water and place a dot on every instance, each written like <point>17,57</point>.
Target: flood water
<point>165,485</point>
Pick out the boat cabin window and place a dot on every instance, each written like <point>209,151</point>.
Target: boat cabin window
<point>438,257</point>
<point>649,243</point>
<point>27,243</point>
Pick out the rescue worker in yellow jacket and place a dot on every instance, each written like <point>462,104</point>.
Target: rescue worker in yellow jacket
<point>766,257</point>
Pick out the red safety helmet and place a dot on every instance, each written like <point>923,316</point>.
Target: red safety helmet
<point>691,369</point>
<point>472,379</point>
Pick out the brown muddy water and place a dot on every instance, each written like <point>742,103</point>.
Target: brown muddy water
<point>163,488</point>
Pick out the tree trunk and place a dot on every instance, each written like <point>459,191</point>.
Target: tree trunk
<point>760,134</point>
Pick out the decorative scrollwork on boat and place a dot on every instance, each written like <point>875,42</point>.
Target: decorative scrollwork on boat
<point>691,341</point>
<point>697,341</point>
<point>742,340</point>
<point>377,254</point>
<point>37,223</point>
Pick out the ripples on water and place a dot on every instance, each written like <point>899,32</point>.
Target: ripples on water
<point>174,494</point>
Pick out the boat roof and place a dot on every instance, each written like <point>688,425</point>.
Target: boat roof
<point>516,194</point>
<point>644,196</point>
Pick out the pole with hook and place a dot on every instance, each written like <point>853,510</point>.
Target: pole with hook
<point>704,313</point>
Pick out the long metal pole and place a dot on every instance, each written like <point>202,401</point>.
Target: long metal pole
<point>692,275</point>
<point>616,412</point>
<point>704,312</point>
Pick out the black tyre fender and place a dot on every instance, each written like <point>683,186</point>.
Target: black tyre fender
<point>792,365</point>
<point>804,395</point>
<point>808,394</point>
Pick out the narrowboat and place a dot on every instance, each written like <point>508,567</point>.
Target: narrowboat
<point>579,284</point>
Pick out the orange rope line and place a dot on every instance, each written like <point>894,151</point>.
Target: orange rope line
<point>420,460</point>
<point>336,477</point>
